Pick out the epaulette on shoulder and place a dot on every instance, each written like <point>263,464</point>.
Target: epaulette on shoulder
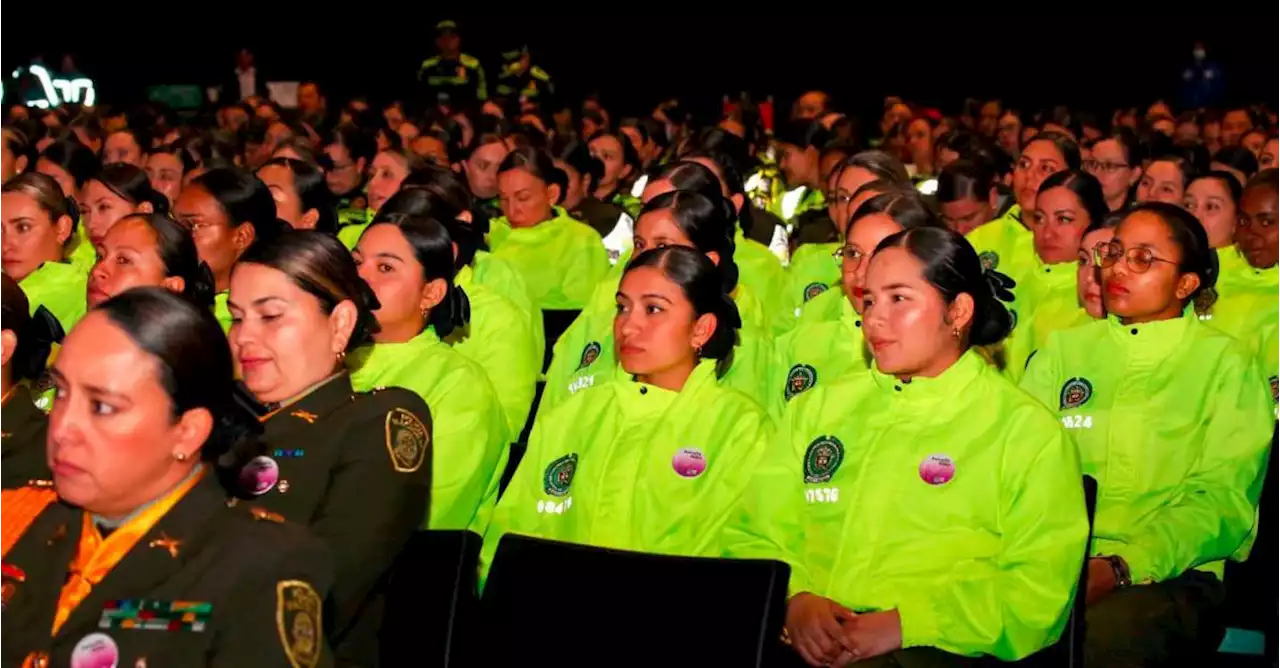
<point>469,60</point>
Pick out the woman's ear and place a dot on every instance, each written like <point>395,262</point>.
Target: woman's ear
<point>993,200</point>
<point>63,228</point>
<point>454,245</point>
<point>20,164</point>
<point>175,284</point>
<point>309,220</point>
<point>342,323</point>
<point>190,433</point>
<point>1134,174</point>
<point>714,256</point>
<point>465,217</point>
<point>554,193</point>
<point>960,312</point>
<point>738,201</point>
<point>1187,284</point>
<point>432,294</point>
<point>146,207</point>
<point>8,345</point>
<point>703,329</point>
<point>242,237</point>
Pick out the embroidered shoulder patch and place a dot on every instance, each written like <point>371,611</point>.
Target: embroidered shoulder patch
<point>590,354</point>
<point>299,623</point>
<point>408,440</point>
<point>1075,393</point>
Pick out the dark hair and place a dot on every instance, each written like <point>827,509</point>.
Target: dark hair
<point>1197,256</point>
<point>427,202</point>
<point>879,163</point>
<point>728,152</point>
<point>1128,142</point>
<point>1107,222</point>
<point>964,179</point>
<point>433,248</point>
<point>691,176</point>
<point>952,267</point>
<point>36,334</point>
<point>1086,188</point>
<point>321,266</point>
<point>1065,145</point>
<point>19,145</point>
<point>177,250</point>
<point>48,196</point>
<point>579,157</point>
<point>700,281</point>
<point>447,188</point>
<point>359,144</point>
<point>707,221</point>
<point>140,137</point>
<point>194,365</point>
<point>538,163</point>
<point>312,190</point>
<point>179,151</point>
<point>1238,158</point>
<point>904,206</point>
<point>1267,178</point>
<point>803,134</point>
<point>1188,161</point>
<point>130,183</point>
<point>74,158</point>
<point>210,150</point>
<point>244,198</point>
<point>1227,179</point>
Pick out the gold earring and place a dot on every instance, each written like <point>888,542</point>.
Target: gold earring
<point>341,357</point>
<point>955,332</point>
<point>180,456</point>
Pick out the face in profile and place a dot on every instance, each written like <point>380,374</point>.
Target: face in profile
<point>482,169</point>
<point>385,176</point>
<point>1089,273</point>
<point>128,257</point>
<point>112,431</point>
<point>31,238</point>
<point>164,171</point>
<point>656,329</point>
<point>219,240</point>
<point>864,236</point>
<point>281,339</point>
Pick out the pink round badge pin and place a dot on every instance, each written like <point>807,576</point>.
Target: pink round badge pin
<point>259,475</point>
<point>96,650</point>
<point>689,462</point>
<point>937,469</point>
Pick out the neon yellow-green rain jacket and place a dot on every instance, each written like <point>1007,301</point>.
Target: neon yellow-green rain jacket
<point>760,270</point>
<point>1006,245</point>
<point>82,254</point>
<point>787,204</point>
<point>1173,420</point>
<point>59,287</point>
<point>955,500</point>
<point>500,339</point>
<point>1247,299</point>
<point>636,467</point>
<point>824,348</point>
<point>813,271</point>
<point>1046,301</point>
<point>561,259</point>
<point>469,431</point>
<point>221,311</point>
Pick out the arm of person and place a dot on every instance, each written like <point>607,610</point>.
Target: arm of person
<point>588,265</point>
<point>1040,379</point>
<point>1213,511</point>
<point>375,501</point>
<point>469,438</point>
<point>1023,605</point>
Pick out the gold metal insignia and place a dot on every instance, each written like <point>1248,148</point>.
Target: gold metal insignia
<point>298,621</point>
<point>408,440</point>
<point>304,415</point>
<point>170,544</point>
<point>266,515</point>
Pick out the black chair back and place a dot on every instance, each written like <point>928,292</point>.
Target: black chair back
<point>566,605</point>
<point>431,600</point>
<point>554,324</point>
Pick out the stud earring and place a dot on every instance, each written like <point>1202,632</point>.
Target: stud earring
<point>180,456</point>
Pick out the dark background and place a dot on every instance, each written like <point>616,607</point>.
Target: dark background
<point>375,48</point>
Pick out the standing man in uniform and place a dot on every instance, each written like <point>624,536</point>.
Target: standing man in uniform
<point>521,80</point>
<point>452,79</point>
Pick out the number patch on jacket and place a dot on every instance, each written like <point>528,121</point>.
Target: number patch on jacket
<point>822,495</point>
<point>1077,421</point>
<point>555,507</point>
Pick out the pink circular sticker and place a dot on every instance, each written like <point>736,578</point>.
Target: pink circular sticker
<point>937,469</point>
<point>689,462</point>
<point>96,650</point>
<point>259,475</point>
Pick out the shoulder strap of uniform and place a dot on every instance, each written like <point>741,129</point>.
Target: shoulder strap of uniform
<point>469,60</point>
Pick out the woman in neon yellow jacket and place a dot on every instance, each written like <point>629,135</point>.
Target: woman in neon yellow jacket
<point>812,272</point>
<point>675,218</point>
<point>38,226</point>
<point>1006,243</point>
<point>827,345</point>
<point>560,259</point>
<point>72,164</point>
<point>386,173</point>
<point>1068,203</point>
<point>655,464</point>
<point>928,506</point>
<point>228,210</point>
<point>1174,421</point>
<point>1247,284</point>
<point>409,263</point>
<point>501,336</point>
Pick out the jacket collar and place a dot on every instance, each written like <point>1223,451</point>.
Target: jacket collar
<point>373,359</point>
<point>639,400</point>
<point>949,386</point>
<point>1152,339</point>
<point>312,405</point>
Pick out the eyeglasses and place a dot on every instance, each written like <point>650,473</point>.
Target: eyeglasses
<point>848,254</point>
<point>1138,258</point>
<point>1101,167</point>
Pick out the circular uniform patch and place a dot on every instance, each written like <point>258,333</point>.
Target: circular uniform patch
<point>822,459</point>
<point>689,462</point>
<point>590,354</point>
<point>96,650</point>
<point>937,469</point>
<point>259,475</point>
<point>989,260</point>
<point>814,289</point>
<point>559,475</point>
<point>1075,393</point>
<point>801,377</point>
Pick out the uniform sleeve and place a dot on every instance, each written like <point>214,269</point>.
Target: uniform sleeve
<point>589,265</point>
<point>506,352</point>
<point>1040,379</point>
<point>769,523</point>
<point>273,613</point>
<point>469,441</point>
<point>372,507</point>
<point>1023,606</point>
<point>1212,513</point>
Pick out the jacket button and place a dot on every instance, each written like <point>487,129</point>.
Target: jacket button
<point>644,390</point>
<point>897,387</point>
<point>1134,331</point>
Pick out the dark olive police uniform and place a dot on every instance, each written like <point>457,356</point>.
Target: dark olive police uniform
<point>22,434</point>
<point>207,585</point>
<point>356,469</point>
